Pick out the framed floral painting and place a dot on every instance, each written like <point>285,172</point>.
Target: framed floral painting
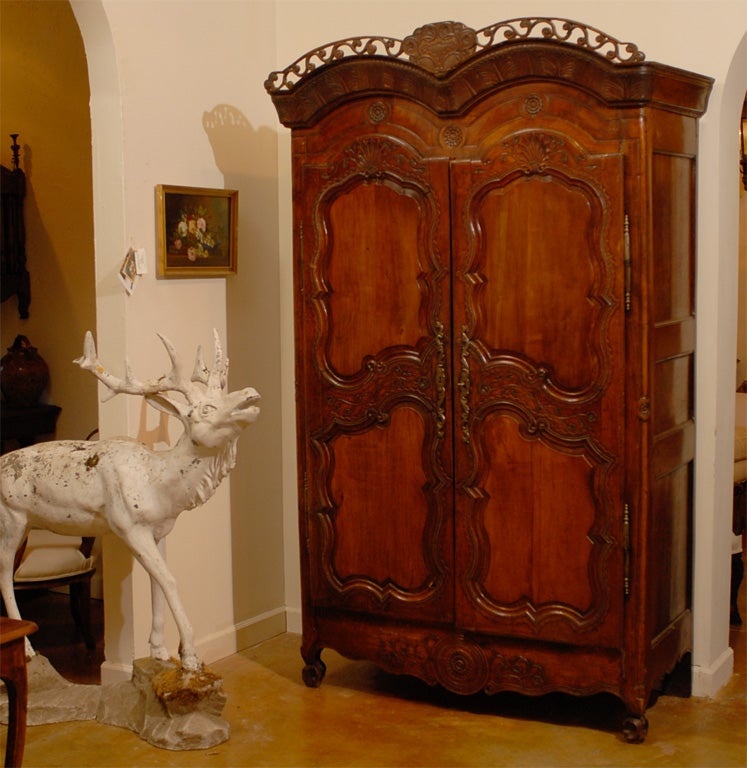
<point>196,231</point>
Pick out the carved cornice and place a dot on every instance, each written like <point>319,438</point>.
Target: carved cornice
<point>441,47</point>
<point>448,67</point>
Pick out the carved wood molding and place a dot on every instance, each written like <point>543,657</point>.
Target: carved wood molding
<point>442,46</point>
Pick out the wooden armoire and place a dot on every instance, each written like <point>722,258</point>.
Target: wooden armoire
<point>494,247</point>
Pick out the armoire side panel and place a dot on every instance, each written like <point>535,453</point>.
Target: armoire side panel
<point>673,395</point>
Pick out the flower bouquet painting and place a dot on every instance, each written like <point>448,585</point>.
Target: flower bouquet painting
<point>196,231</point>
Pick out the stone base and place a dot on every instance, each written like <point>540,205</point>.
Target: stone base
<point>165,705</point>
<point>51,698</point>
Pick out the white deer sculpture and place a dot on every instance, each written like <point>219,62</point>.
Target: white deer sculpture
<point>85,488</point>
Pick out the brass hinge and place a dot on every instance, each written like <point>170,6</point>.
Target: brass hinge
<point>627,262</point>
<point>626,550</point>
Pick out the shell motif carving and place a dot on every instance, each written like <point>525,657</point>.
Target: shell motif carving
<point>440,47</point>
<point>534,151</point>
<point>373,158</point>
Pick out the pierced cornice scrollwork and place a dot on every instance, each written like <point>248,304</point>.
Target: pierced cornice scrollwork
<point>441,47</point>
<point>563,31</point>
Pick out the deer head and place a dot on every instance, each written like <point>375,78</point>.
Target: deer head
<point>211,416</point>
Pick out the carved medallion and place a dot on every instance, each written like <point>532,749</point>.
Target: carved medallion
<point>461,666</point>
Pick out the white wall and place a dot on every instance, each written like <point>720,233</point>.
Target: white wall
<point>175,95</point>
<point>151,86</point>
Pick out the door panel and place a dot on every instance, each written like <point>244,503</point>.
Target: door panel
<point>376,440</point>
<point>540,367</point>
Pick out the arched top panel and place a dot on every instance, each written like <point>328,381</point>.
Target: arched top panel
<point>448,67</point>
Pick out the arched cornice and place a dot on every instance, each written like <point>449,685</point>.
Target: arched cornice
<point>449,67</point>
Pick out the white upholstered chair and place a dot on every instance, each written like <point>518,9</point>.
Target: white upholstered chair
<point>48,560</point>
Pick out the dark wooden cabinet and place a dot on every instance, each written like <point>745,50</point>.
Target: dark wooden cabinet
<point>494,267</point>
<point>14,277</point>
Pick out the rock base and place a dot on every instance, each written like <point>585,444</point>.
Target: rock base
<point>167,706</point>
<point>51,698</point>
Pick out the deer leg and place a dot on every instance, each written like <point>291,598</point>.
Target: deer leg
<point>158,604</point>
<point>144,548</point>
<point>11,536</point>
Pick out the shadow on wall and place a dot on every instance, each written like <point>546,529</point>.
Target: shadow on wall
<point>240,150</point>
<point>247,158</point>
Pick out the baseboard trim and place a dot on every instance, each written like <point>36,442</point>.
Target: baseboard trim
<point>708,681</point>
<point>217,645</point>
<point>260,628</point>
<point>293,620</point>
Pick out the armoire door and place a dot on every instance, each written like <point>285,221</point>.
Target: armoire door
<point>539,363</point>
<point>376,442</point>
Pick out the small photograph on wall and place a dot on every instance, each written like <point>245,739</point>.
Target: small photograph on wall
<point>196,231</point>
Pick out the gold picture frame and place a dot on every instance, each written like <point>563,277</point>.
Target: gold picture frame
<point>197,231</point>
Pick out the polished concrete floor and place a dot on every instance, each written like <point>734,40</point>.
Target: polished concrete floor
<point>363,717</point>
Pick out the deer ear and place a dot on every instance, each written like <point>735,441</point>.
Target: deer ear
<point>163,403</point>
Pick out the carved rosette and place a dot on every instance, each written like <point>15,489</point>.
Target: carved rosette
<point>451,136</point>
<point>533,105</point>
<point>378,112</point>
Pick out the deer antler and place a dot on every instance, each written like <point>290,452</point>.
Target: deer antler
<point>216,378</point>
<point>173,382</point>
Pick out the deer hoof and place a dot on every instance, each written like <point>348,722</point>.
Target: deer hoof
<point>160,653</point>
<point>191,664</point>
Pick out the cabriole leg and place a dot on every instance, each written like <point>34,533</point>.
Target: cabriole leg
<point>635,728</point>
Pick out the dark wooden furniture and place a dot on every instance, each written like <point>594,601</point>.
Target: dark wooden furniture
<point>494,275</point>
<point>14,277</point>
<point>26,425</point>
<point>13,674</point>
